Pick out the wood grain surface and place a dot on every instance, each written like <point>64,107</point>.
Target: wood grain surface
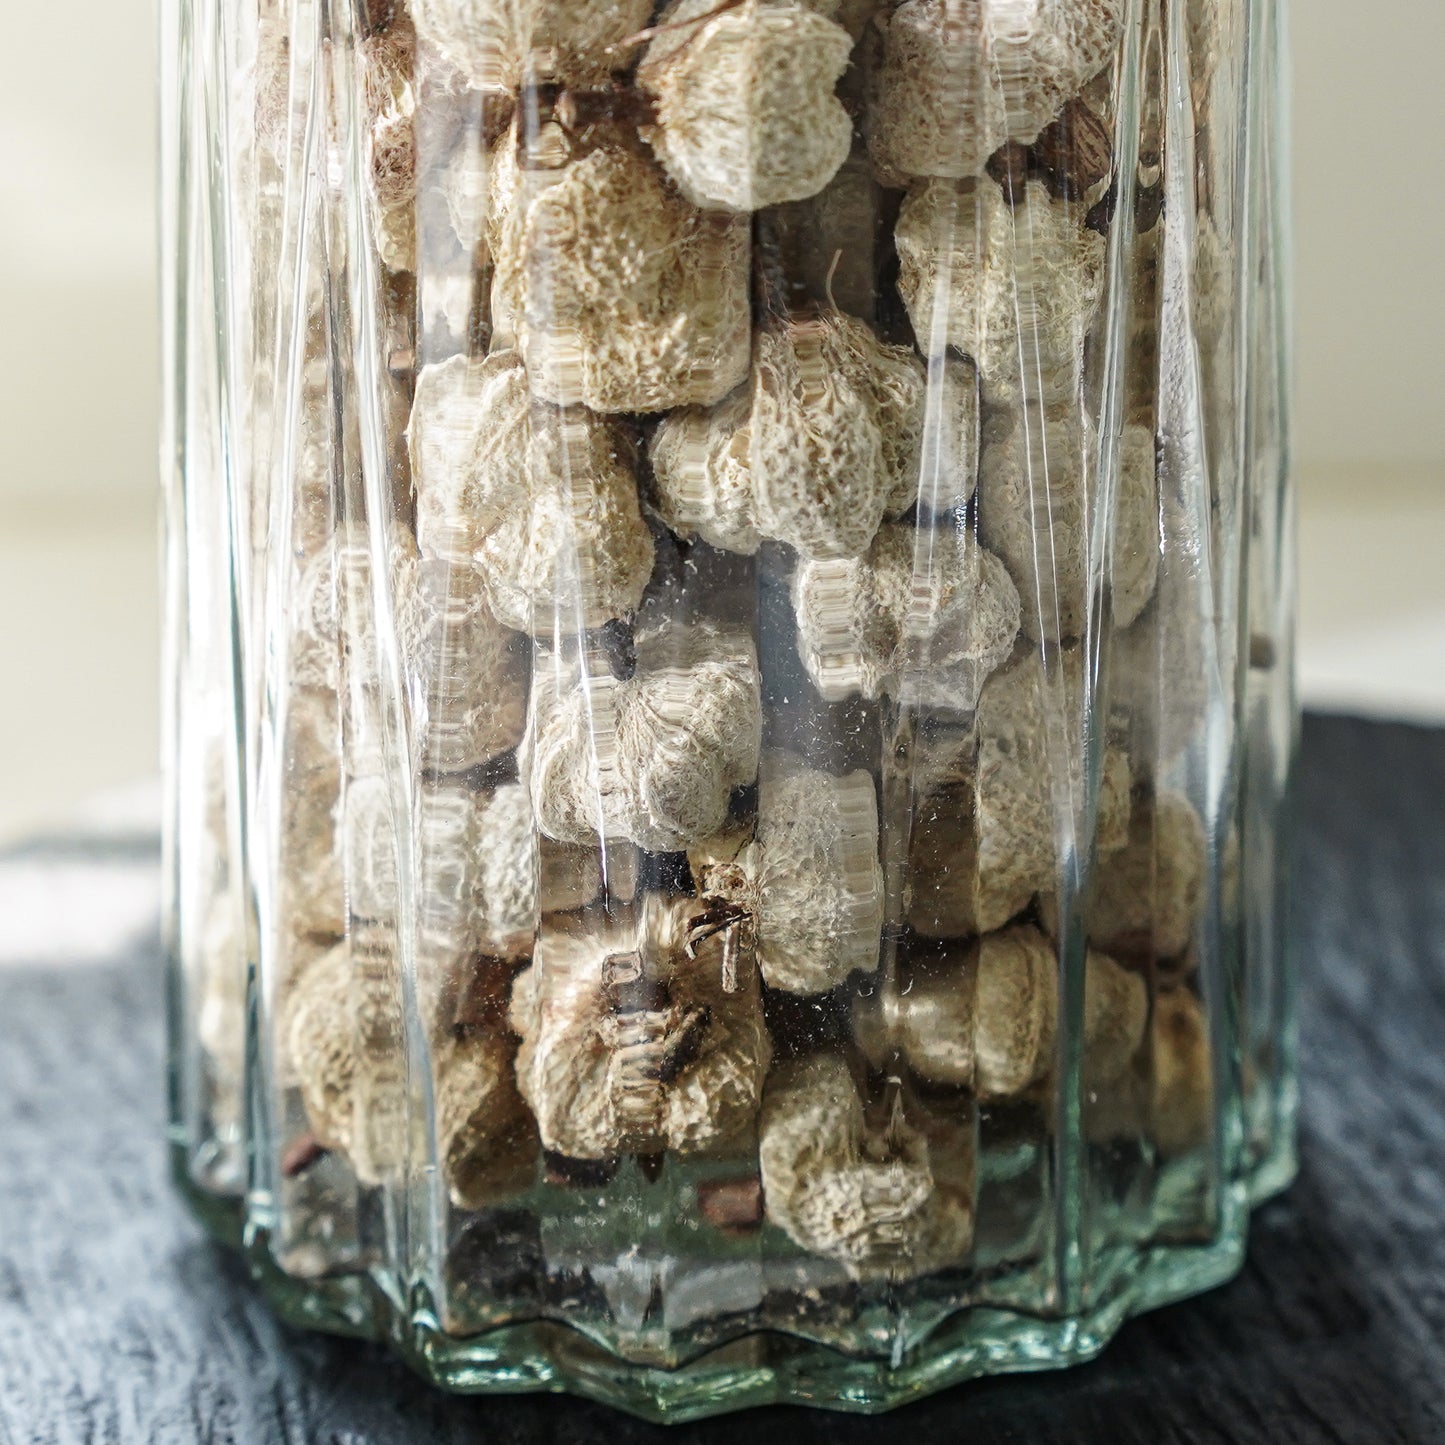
<point>120,1323</point>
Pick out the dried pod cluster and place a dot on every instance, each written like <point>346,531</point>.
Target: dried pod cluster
<point>621,296</point>
<point>1005,799</point>
<point>498,45</point>
<point>541,500</point>
<point>1038,499</point>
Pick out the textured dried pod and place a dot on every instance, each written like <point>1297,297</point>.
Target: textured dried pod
<point>744,102</point>
<point>621,295</point>
<point>619,1056</point>
<point>523,875</point>
<point>1168,1097</point>
<point>1030,729</point>
<point>949,895</point>
<point>1016,996</point>
<point>541,500</point>
<point>1148,896</point>
<point>333,612</point>
<point>924,616</point>
<point>809,881</point>
<point>999,794</point>
<point>958,78</point>
<point>857,1190</point>
<point>323,1038</point>
<point>1075,152</point>
<point>1116,1019</point>
<point>826,438</point>
<point>1182,1107</point>
<point>500,44</point>
<point>930,1023</point>
<point>1021,283</point>
<point>456,915</point>
<point>341,1051</point>
<point>485,1138</point>
<point>1037,491</point>
<point>652,757</point>
<point>1159,666</point>
<point>473,676</point>
<point>313,889</point>
<point>387,63</point>
<point>1015,1008</point>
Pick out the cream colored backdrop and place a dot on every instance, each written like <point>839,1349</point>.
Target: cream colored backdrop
<point>78,379</point>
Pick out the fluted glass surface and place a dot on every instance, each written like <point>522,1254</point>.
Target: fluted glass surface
<point>730,676</point>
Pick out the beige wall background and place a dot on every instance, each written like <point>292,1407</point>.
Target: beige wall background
<point>78,381</point>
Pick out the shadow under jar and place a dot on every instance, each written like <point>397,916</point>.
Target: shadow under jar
<point>730,694</point>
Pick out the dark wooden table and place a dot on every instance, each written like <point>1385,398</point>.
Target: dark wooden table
<point>119,1322</point>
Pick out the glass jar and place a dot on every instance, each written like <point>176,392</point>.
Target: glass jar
<point>730,703</point>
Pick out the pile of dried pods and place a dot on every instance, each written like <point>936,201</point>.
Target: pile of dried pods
<point>691,300</point>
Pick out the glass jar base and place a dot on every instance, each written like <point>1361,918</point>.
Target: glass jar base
<point>765,1368</point>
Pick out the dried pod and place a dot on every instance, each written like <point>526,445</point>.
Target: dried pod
<point>340,1043</point>
<point>857,1190</point>
<point>1116,1019</point>
<point>473,676</point>
<point>1160,666</point>
<point>1000,793</point>
<point>500,44</point>
<point>1030,729</point>
<point>652,757</point>
<point>387,64</point>
<point>924,616</point>
<point>1020,284</point>
<point>541,500</point>
<point>620,1055</point>
<point>522,875</point>
<point>313,888</point>
<point>743,94</point>
<point>1037,493</point>
<point>1075,152</point>
<point>958,78</point>
<point>621,295</point>
<point>333,609</point>
<point>1168,1097</point>
<point>324,1031</point>
<point>1182,1106</point>
<point>949,895</point>
<point>1016,1000</point>
<point>486,1140</point>
<point>930,1023</point>
<point>827,437</point>
<point>809,882</point>
<point>1016,1014</point>
<point>1148,896</point>
<point>986,1018</point>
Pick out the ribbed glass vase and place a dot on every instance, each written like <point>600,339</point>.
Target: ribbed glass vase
<point>730,694</point>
